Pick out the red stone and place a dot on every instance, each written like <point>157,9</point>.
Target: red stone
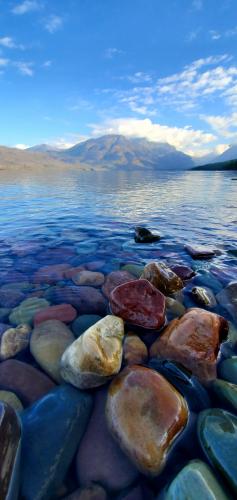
<point>193,340</point>
<point>72,271</point>
<point>50,274</point>
<point>115,279</point>
<point>139,303</point>
<point>62,312</point>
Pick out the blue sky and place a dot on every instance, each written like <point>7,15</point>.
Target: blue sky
<point>164,70</point>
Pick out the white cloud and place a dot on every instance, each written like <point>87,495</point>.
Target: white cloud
<point>25,68</point>
<point>53,24</point>
<point>3,62</point>
<point>47,64</point>
<point>112,52</point>
<point>185,139</point>
<point>223,125</point>
<point>25,7</point>
<point>214,35</point>
<point>139,77</point>
<point>21,146</point>
<point>9,43</point>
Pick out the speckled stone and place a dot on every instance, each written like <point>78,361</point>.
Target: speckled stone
<point>134,350</point>
<point>162,277</point>
<point>14,341</point>
<point>11,399</point>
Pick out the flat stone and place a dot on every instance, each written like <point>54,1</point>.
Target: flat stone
<point>139,303</point>
<point>48,342</point>
<point>52,430</point>
<point>145,415</point>
<point>195,480</point>
<point>226,393</point>
<point>134,350</point>
<point>10,440</point>
<point>92,359</point>
<point>14,340</point>
<point>82,323</point>
<point>63,312</point>
<point>228,369</point>
<point>95,265</point>
<point>194,341</point>
<point>184,272</point>
<point>26,311</point>
<point>200,251</point>
<point>88,278</point>
<point>114,279</point>
<point>99,458</point>
<point>26,381</point>
<point>50,274</point>
<point>86,299</point>
<point>217,433</point>
<point>144,235</point>
<point>10,298</point>
<point>11,399</point>
<point>72,271</point>
<point>228,299</point>
<point>93,492</point>
<point>162,278</point>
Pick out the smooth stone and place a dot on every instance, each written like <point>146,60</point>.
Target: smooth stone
<point>188,385</point>
<point>14,341</point>
<point>217,433</point>
<point>95,265</point>
<point>50,274</point>
<point>52,430</point>
<point>11,399</point>
<point>96,355</point>
<point>88,278</point>
<point>72,271</point>
<point>195,480</point>
<point>63,312</point>
<point>86,299</point>
<point>200,251</point>
<point>93,492</point>
<point>203,296</point>
<point>228,370</point>
<point>10,298</point>
<point>10,439</point>
<point>226,392</point>
<point>162,278</point>
<point>23,286</point>
<point>139,303</point>
<point>48,342</point>
<point>145,415</point>
<point>134,350</point>
<point>174,308</point>
<point>144,235</point>
<point>4,313</point>
<point>82,323</point>
<point>193,340</point>
<point>114,279</point>
<point>133,269</point>
<point>26,381</point>
<point>228,299</point>
<point>26,311</point>
<point>99,458</point>
<point>184,272</point>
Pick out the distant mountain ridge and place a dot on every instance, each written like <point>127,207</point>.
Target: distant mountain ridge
<point>118,151</point>
<point>219,166</point>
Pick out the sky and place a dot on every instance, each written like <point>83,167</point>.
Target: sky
<point>75,69</point>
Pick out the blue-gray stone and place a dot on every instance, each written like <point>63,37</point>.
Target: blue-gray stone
<point>82,323</point>
<point>228,370</point>
<point>52,430</point>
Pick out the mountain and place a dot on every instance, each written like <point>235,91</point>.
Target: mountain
<point>13,158</point>
<point>43,148</point>
<point>117,151</point>
<point>229,154</point>
<point>222,165</point>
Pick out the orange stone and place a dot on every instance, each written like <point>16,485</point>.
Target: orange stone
<point>193,340</point>
<point>145,414</point>
<point>134,350</point>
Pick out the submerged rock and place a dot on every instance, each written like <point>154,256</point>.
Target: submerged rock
<point>193,340</point>
<point>26,311</point>
<point>63,312</point>
<point>195,480</point>
<point>86,299</point>
<point>174,308</point>
<point>10,298</point>
<point>114,279</point>
<point>48,342</point>
<point>88,278</point>
<point>139,303</point>
<point>10,440</point>
<point>226,393</point>
<point>51,274</point>
<point>200,251</point>
<point>203,296</point>
<point>228,299</point>
<point>228,369</point>
<point>144,235</point>
<point>184,272</point>
<point>145,415</point>
<point>162,277</point>
<point>135,269</point>
<point>52,430</point>
<point>217,433</point>
<point>96,355</point>
<point>14,340</point>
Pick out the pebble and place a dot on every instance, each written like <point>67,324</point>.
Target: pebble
<point>133,269</point>
<point>162,278</point>
<point>184,272</point>
<point>63,312</point>
<point>10,298</point>
<point>144,235</point>
<point>200,252</point>
<point>11,399</point>
<point>193,340</point>
<point>134,350</point>
<point>26,311</point>
<point>50,274</point>
<point>174,308</point>
<point>14,340</point>
<point>48,342</point>
<point>88,278</point>
<point>203,296</point>
<point>10,440</point>
<point>139,303</point>
<point>145,415</point>
<point>86,299</point>
<point>92,359</point>
<point>114,279</point>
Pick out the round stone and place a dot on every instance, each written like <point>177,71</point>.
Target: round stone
<point>14,341</point>
<point>63,312</point>
<point>26,311</point>
<point>162,277</point>
<point>134,350</point>
<point>88,278</point>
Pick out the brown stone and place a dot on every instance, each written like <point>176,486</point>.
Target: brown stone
<point>63,312</point>
<point>88,278</point>
<point>145,415</point>
<point>139,303</point>
<point>14,340</point>
<point>114,279</point>
<point>193,340</point>
<point>134,350</point>
<point>162,277</point>
<point>10,436</point>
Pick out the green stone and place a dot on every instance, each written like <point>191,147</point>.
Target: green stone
<point>194,481</point>
<point>226,392</point>
<point>25,312</point>
<point>228,370</point>
<point>134,269</point>
<point>217,433</point>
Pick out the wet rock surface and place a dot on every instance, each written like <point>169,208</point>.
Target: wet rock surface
<point>162,277</point>
<point>144,235</point>
<point>10,439</point>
